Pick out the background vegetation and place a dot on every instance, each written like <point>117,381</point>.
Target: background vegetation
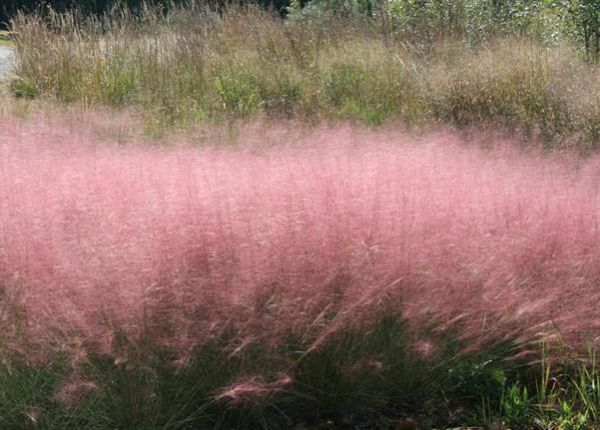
<point>526,66</point>
<point>10,8</point>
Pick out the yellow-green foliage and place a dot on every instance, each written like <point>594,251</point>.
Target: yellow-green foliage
<point>513,82</point>
<point>6,38</point>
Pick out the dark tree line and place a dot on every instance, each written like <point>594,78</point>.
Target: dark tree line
<point>96,7</point>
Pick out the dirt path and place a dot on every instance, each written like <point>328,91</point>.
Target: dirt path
<point>5,61</point>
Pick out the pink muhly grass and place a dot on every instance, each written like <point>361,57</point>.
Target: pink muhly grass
<point>178,244</point>
<point>73,391</point>
<point>252,389</point>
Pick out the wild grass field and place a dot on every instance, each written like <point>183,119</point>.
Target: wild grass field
<point>419,67</point>
<point>216,218</point>
<point>198,64</point>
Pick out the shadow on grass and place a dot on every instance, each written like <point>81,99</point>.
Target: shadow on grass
<point>369,378</point>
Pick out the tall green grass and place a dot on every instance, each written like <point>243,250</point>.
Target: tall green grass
<point>373,379</point>
<point>197,64</point>
<point>367,379</point>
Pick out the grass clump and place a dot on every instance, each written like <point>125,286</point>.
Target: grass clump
<point>512,83</point>
<point>373,377</point>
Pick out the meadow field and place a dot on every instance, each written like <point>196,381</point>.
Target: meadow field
<point>222,219</point>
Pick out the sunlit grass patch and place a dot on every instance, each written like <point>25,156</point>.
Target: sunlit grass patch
<point>6,38</point>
